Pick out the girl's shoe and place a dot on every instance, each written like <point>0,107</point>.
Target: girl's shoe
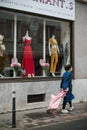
<point>64,111</point>
<point>71,108</point>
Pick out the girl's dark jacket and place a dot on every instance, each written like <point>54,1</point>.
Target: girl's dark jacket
<point>67,83</point>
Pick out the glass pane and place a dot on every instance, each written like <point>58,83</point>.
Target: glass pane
<point>6,53</point>
<point>30,51</point>
<point>58,45</point>
<point>32,45</point>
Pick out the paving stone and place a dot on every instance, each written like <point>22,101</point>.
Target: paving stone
<point>27,120</point>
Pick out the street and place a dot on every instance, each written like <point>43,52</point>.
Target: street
<point>80,124</point>
<point>38,119</point>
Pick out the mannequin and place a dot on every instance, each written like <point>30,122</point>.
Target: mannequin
<point>26,36</point>
<point>53,52</point>
<point>2,46</point>
<point>2,55</point>
<point>27,61</point>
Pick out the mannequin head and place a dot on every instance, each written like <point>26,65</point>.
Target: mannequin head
<point>53,36</point>
<point>27,36</point>
<point>27,33</point>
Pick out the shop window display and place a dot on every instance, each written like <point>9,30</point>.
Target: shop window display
<point>53,52</point>
<point>36,38</point>
<point>28,61</point>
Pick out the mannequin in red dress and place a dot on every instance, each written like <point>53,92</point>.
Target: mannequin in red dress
<point>27,61</point>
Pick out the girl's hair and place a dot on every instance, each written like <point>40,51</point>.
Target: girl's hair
<point>67,67</point>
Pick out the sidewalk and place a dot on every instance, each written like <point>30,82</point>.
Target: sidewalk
<point>31,119</point>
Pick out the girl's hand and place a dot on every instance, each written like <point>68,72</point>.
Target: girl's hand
<point>61,89</point>
<point>67,90</point>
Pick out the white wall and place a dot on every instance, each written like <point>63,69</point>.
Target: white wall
<point>81,41</point>
<point>26,88</point>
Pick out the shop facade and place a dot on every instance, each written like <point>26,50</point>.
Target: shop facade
<point>41,20</point>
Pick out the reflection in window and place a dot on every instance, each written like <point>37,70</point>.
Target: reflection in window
<point>50,42</point>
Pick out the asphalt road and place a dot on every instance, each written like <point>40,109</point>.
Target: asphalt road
<point>80,124</point>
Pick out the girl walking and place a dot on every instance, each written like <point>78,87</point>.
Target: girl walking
<point>66,85</point>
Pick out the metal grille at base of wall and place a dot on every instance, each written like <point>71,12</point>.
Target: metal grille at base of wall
<point>35,98</point>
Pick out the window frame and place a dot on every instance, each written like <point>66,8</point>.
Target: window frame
<point>44,41</point>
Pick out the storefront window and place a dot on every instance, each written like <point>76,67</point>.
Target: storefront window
<point>61,32</point>
<point>6,53</point>
<point>34,27</point>
<point>33,40</point>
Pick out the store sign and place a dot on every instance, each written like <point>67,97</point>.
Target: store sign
<point>57,8</point>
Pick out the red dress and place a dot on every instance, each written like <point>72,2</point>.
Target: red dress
<point>27,61</point>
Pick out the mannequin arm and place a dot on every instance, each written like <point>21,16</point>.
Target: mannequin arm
<point>49,50</point>
<point>3,47</point>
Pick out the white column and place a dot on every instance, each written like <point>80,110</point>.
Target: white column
<point>44,39</point>
<point>15,34</point>
<point>15,38</point>
<point>44,42</point>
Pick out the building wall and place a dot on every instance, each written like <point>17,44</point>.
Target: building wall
<point>28,88</point>
<point>80,41</point>
<point>23,89</point>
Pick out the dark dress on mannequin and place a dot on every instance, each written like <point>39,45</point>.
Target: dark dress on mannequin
<point>27,61</point>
